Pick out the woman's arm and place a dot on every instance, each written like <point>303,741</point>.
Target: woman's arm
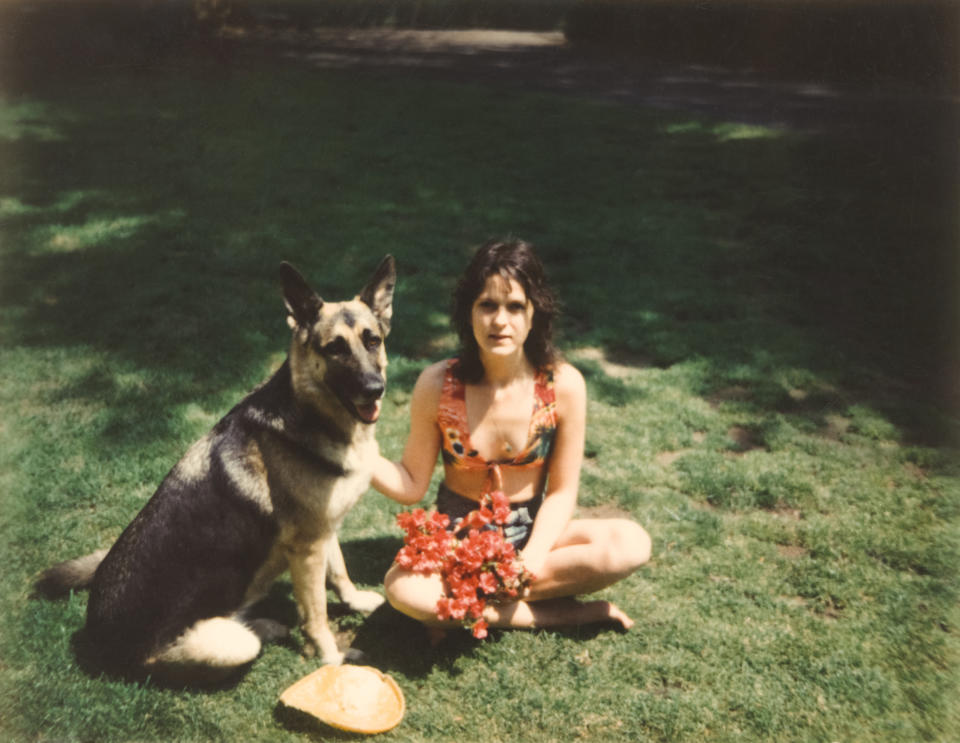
<point>406,481</point>
<point>564,468</point>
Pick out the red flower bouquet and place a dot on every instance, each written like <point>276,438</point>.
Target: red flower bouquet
<point>475,568</point>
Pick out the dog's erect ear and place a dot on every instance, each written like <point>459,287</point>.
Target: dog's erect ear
<point>302,302</point>
<point>378,293</point>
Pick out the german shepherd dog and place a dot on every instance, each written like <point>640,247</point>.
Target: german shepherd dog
<point>263,492</point>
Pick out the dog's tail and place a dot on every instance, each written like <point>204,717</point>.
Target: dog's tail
<point>69,575</point>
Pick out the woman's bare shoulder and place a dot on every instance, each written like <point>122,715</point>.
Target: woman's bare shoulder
<point>429,384</point>
<point>568,380</point>
<point>434,374</point>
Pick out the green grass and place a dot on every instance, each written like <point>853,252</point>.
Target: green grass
<point>762,316</point>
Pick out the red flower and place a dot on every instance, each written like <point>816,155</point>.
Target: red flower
<point>488,583</point>
<point>479,567</point>
<point>501,506</point>
<point>480,629</point>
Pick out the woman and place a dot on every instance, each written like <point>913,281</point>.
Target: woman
<point>475,410</point>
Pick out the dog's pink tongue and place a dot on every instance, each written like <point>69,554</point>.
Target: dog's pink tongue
<point>370,412</point>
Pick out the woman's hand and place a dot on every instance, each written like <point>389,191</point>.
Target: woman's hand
<point>533,562</point>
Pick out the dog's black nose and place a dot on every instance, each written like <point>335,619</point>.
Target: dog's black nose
<point>373,387</point>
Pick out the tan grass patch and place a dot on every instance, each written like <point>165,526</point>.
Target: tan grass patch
<point>605,511</point>
<point>836,426</point>
<point>792,551</point>
<point>593,725</point>
<point>411,41</point>
<point>831,613</point>
<point>667,458</point>
<point>619,369</point>
<point>64,243</point>
<point>197,415</point>
<point>794,514</point>
<point>916,472</point>
<point>745,439</point>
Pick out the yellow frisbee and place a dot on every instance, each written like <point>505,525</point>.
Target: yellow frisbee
<point>357,699</point>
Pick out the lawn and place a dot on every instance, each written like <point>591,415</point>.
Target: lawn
<point>764,318</point>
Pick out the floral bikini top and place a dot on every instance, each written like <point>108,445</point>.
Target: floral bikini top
<point>452,419</point>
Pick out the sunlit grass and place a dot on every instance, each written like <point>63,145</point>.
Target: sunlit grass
<point>722,288</point>
<point>724,131</point>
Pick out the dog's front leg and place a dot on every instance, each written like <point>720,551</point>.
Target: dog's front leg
<point>337,576</point>
<point>308,568</point>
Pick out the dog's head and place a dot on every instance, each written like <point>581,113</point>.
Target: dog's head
<point>337,347</point>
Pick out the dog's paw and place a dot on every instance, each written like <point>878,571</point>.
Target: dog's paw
<point>365,601</point>
<point>330,657</point>
<point>333,659</point>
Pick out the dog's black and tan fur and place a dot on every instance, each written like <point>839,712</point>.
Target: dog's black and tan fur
<point>263,492</point>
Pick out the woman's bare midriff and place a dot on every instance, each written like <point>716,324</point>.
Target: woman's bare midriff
<point>519,484</point>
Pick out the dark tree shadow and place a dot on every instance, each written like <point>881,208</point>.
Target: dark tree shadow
<point>392,641</point>
<point>138,234</point>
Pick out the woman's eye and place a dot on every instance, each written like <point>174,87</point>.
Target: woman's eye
<point>517,307</point>
<point>488,305</point>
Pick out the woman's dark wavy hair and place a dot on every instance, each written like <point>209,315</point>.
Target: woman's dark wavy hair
<point>512,259</point>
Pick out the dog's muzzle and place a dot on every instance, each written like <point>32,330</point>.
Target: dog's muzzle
<point>368,403</point>
<point>368,412</point>
<point>359,392</point>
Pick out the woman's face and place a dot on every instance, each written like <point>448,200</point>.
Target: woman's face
<point>502,316</point>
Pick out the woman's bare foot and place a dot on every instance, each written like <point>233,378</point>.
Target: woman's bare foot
<point>562,612</point>
<point>617,614</point>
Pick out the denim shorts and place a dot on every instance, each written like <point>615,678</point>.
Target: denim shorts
<point>518,527</point>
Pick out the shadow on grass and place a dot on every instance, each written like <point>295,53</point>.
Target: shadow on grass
<point>394,642</point>
<point>144,212</point>
<point>144,222</point>
<point>93,663</point>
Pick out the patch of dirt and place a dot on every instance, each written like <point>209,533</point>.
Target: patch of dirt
<point>915,471</point>
<point>618,367</point>
<point>794,514</point>
<point>836,427</point>
<point>745,439</point>
<point>792,552</point>
<point>409,41</point>
<point>666,458</point>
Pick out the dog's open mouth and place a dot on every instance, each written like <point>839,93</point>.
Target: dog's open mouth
<point>368,412</point>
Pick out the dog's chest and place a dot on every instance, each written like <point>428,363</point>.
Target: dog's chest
<point>328,484</point>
